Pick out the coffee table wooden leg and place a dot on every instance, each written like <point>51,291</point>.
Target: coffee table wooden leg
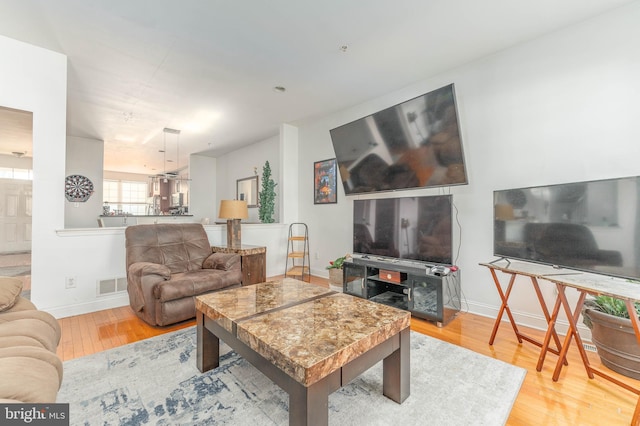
<point>309,405</point>
<point>207,347</point>
<point>396,375</point>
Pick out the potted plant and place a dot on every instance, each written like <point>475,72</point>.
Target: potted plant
<point>266,203</point>
<point>613,334</point>
<point>335,273</point>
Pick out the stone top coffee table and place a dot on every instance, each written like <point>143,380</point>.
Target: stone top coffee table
<point>307,339</point>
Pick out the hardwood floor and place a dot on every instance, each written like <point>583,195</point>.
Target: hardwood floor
<point>573,400</point>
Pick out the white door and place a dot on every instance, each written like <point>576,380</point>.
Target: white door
<point>15,215</point>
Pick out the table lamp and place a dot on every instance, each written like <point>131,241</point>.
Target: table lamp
<point>233,211</point>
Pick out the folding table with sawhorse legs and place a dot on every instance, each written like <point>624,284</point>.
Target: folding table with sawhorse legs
<point>595,285</point>
<point>504,307</point>
<point>585,283</point>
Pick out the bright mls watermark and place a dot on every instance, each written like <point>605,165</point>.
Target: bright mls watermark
<point>34,414</point>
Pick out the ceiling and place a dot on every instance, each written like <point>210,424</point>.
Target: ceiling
<point>209,67</point>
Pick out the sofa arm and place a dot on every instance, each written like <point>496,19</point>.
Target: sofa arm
<point>141,278</point>
<point>29,374</point>
<point>148,268</point>
<point>10,289</point>
<point>222,261</point>
<point>40,326</point>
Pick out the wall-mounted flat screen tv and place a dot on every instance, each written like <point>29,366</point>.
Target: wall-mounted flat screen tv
<point>416,228</point>
<point>414,144</point>
<point>592,226</point>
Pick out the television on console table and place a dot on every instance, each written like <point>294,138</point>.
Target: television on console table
<point>431,292</point>
<point>402,250</point>
<point>413,228</point>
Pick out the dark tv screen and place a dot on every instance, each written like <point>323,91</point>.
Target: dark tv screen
<point>591,226</point>
<point>414,144</point>
<point>416,228</point>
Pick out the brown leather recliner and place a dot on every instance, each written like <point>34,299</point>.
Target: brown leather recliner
<point>168,265</point>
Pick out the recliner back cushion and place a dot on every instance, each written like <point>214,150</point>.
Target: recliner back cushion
<point>181,247</point>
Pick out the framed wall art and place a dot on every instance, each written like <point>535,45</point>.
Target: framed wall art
<point>325,190</point>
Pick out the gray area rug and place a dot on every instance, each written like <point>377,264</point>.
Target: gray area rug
<point>155,381</point>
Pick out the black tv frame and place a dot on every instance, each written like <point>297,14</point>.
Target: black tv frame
<point>385,253</point>
<point>549,244</point>
<point>414,144</point>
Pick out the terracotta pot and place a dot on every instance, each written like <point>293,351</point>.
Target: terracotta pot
<point>615,341</point>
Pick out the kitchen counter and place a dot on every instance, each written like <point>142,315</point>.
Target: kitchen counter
<point>111,221</point>
<point>146,215</point>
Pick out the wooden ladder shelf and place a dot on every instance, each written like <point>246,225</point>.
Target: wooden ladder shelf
<point>298,260</point>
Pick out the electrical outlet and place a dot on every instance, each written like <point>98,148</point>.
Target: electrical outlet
<point>70,282</point>
<point>317,256</point>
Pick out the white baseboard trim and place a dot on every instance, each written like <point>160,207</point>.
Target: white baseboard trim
<point>93,306</point>
<point>322,273</point>
<point>526,319</point>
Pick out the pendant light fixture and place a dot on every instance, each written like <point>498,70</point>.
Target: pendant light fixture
<point>173,132</point>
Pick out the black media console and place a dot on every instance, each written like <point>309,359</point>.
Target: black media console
<point>428,292</point>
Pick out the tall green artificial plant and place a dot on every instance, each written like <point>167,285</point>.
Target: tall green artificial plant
<point>267,196</point>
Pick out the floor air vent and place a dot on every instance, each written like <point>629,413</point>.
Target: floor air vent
<point>111,286</point>
<point>589,347</point>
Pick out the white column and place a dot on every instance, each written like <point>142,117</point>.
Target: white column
<point>288,188</point>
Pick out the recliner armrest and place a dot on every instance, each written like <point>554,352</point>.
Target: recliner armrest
<point>148,268</point>
<point>222,261</point>
<point>141,278</point>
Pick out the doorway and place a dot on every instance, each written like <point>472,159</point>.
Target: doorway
<point>16,191</point>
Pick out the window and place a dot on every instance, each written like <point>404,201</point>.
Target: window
<point>13,173</point>
<point>126,197</point>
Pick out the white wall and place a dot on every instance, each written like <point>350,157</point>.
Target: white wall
<point>84,157</point>
<point>15,162</point>
<point>288,189</point>
<point>202,188</point>
<point>130,177</point>
<point>35,79</point>
<point>246,162</point>
<point>558,109</point>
